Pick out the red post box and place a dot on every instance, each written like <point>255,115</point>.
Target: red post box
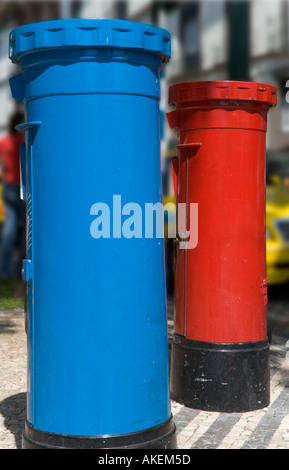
<point>220,351</point>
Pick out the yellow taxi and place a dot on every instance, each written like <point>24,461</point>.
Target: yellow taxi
<point>277,217</point>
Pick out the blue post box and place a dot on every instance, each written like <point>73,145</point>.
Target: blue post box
<point>98,373</point>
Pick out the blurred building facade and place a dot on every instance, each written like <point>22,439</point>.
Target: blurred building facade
<point>200,33</point>
<point>201,38</point>
<point>17,13</point>
<point>201,47</point>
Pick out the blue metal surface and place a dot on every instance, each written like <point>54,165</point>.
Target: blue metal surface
<point>96,326</point>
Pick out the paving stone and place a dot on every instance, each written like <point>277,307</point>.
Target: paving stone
<point>196,429</point>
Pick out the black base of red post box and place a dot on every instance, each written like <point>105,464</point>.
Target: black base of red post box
<point>224,377</point>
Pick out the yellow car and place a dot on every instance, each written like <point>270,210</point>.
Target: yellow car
<point>277,233</point>
<point>277,218</point>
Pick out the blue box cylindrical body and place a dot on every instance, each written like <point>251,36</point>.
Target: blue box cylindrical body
<point>96,316</point>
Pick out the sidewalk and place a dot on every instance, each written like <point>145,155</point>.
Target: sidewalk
<point>267,428</point>
<point>263,429</point>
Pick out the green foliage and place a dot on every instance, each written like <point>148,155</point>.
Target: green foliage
<point>12,294</point>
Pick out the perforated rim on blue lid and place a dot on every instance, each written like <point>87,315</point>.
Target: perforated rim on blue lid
<point>88,33</point>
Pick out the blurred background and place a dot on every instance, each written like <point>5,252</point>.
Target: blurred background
<point>211,40</point>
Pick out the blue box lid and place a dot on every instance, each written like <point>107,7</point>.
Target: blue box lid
<point>109,33</point>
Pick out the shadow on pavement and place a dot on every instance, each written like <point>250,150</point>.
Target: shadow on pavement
<point>13,409</point>
<point>8,326</point>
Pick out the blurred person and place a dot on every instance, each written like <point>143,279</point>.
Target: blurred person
<point>14,220</point>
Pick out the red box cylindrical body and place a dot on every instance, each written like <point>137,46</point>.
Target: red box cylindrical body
<point>220,284</point>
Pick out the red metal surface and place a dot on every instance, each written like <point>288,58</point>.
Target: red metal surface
<point>221,284</point>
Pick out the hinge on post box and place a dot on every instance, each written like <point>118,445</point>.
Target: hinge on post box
<point>26,270</point>
<point>182,239</point>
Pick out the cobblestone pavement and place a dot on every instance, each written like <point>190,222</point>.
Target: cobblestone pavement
<point>13,378</point>
<point>267,428</point>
